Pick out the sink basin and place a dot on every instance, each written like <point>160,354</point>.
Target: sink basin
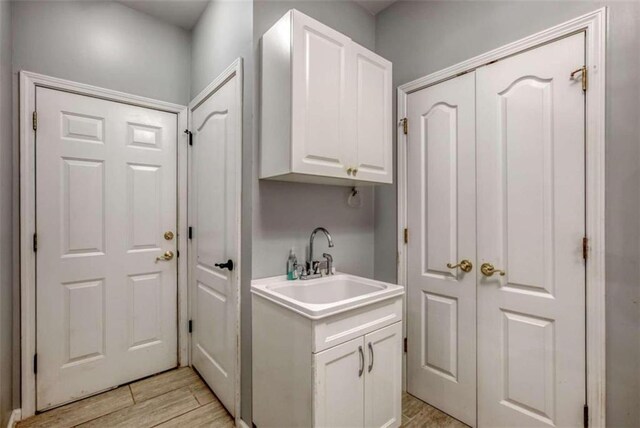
<point>320,297</point>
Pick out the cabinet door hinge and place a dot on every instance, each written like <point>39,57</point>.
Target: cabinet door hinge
<point>35,242</point>
<point>586,416</point>
<point>405,125</point>
<point>585,247</point>
<point>190,326</point>
<point>35,363</point>
<point>583,76</point>
<point>34,120</point>
<point>189,136</point>
<point>190,232</point>
<point>406,235</point>
<point>405,345</point>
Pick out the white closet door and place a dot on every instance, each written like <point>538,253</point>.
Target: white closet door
<point>442,230</point>
<point>531,221</point>
<point>321,106</point>
<point>105,196</point>
<point>215,218</point>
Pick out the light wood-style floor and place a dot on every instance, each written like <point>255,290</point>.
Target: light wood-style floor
<point>417,413</point>
<point>177,398</point>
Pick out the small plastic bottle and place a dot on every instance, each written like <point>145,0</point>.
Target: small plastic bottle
<point>292,261</point>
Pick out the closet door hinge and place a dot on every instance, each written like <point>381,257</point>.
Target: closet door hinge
<point>35,363</point>
<point>35,242</point>
<point>405,345</point>
<point>34,120</point>
<point>585,247</point>
<point>189,136</point>
<point>586,416</point>
<point>405,125</point>
<point>190,326</point>
<point>583,75</point>
<point>190,232</point>
<point>406,235</point>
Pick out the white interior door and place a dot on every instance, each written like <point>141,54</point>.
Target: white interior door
<point>105,196</point>
<point>321,106</point>
<point>441,360</point>
<point>531,222</point>
<point>215,220</point>
<point>383,377</point>
<point>338,389</point>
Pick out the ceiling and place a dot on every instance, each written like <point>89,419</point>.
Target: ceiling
<point>375,6</point>
<point>183,13</point>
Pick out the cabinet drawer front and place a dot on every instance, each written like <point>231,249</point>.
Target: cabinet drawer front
<point>340,328</point>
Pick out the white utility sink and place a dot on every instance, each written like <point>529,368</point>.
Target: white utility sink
<point>320,297</point>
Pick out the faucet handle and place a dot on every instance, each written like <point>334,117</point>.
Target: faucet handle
<point>329,262</point>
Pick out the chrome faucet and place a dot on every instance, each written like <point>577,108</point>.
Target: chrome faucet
<point>313,268</point>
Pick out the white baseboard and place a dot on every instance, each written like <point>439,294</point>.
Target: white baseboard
<point>16,415</point>
<point>242,424</point>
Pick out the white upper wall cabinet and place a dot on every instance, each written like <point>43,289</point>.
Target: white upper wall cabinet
<point>326,106</point>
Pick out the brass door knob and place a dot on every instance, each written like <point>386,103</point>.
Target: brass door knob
<point>464,265</point>
<point>487,269</point>
<point>168,235</point>
<point>355,171</point>
<point>349,171</point>
<point>168,255</point>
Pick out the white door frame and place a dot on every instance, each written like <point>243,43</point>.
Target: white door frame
<point>594,25</point>
<point>235,69</point>
<point>28,84</point>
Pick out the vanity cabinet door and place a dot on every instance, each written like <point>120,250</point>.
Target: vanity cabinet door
<point>338,387</point>
<point>371,86</point>
<point>321,106</point>
<point>383,377</point>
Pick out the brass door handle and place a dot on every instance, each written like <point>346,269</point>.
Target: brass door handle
<point>349,171</point>
<point>487,269</point>
<point>464,265</point>
<point>168,255</point>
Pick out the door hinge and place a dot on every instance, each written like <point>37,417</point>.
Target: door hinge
<point>190,232</point>
<point>586,416</point>
<point>35,363</point>
<point>189,136</point>
<point>583,75</point>
<point>177,253</point>
<point>190,326</point>
<point>35,242</point>
<point>406,235</point>
<point>405,125</point>
<point>585,247</point>
<point>34,120</point>
<point>405,345</point>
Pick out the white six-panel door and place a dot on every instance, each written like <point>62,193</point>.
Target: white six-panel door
<point>214,217</point>
<point>105,196</point>
<point>441,213</point>
<point>531,221</point>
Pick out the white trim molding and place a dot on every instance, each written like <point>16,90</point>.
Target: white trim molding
<point>28,84</point>
<point>14,418</point>
<point>594,26</point>
<point>234,69</point>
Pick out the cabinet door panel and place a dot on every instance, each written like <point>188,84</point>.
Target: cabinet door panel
<point>320,104</point>
<point>338,389</point>
<point>383,379</point>
<point>371,85</point>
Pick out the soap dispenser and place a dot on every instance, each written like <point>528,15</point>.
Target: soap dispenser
<point>292,261</point>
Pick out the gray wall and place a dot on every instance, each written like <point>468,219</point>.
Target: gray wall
<point>6,189</point>
<point>104,44</point>
<point>423,37</point>
<point>222,34</point>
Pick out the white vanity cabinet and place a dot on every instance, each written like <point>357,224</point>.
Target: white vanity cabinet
<point>330,363</point>
<point>326,106</point>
